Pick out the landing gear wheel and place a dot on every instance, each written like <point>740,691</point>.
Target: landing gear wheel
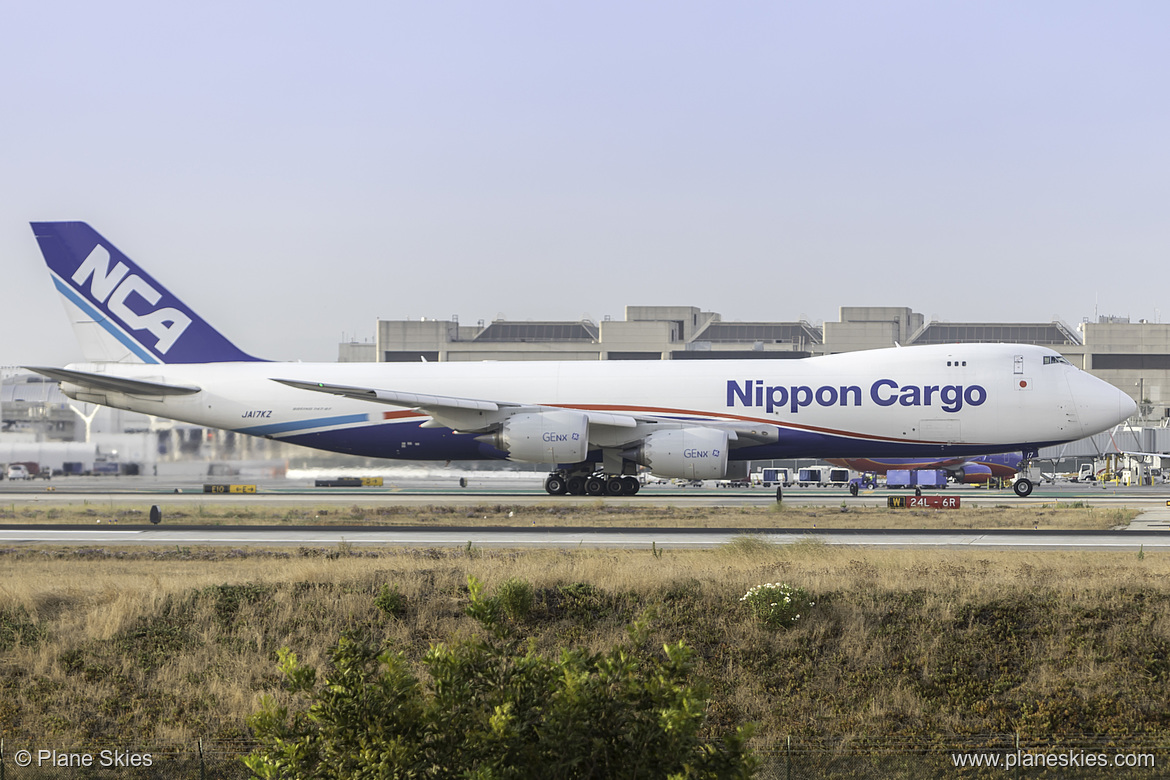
<point>1023,487</point>
<point>595,486</point>
<point>630,486</point>
<point>917,491</point>
<point>614,486</point>
<point>576,486</point>
<point>853,489</point>
<point>779,492</point>
<point>556,485</point>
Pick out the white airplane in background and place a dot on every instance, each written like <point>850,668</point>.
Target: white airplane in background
<point>595,422</point>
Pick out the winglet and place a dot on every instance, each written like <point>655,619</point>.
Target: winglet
<point>119,312</point>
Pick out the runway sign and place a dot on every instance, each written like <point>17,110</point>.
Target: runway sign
<point>229,488</point>
<point>922,502</point>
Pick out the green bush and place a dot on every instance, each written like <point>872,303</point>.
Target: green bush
<point>776,604</point>
<point>391,601</point>
<point>515,597</point>
<point>18,627</point>
<point>494,708</point>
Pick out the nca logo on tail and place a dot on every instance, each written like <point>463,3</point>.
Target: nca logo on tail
<point>113,287</point>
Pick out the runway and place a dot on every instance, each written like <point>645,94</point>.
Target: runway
<point>567,537</point>
<point>522,491</point>
<point>1150,531</point>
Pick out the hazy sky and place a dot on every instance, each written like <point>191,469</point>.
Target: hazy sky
<point>295,171</point>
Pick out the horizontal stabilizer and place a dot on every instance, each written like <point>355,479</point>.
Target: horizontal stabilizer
<point>115,384</point>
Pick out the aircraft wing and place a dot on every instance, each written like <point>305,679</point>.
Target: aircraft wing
<point>450,408</point>
<point>473,415</point>
<point>396,398</point>
<point>106,383</point>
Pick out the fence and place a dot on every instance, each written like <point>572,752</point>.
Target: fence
<point>796,758</point>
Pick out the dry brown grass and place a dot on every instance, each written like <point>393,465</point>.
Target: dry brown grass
<point>172,646</point>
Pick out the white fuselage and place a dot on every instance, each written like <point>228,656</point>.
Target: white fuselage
<point>974,398</point>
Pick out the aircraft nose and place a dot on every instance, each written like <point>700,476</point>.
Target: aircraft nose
<point>1100,405</point>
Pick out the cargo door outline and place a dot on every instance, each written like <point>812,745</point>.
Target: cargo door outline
<point>942,430</point>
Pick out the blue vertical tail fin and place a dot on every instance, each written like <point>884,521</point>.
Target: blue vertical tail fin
<point>119,312</point>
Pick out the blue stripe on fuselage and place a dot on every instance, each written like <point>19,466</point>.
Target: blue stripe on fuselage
<point>300,425</point>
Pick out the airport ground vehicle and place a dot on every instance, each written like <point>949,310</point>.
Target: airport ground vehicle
<point>772,476</point>
<point>822,476</point>
<point>1087,473</point>
<point>18,471</point>
<point>916,478</point>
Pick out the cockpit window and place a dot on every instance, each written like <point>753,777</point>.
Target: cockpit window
<point>1050,359</point>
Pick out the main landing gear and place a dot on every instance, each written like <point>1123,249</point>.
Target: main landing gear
<point>560,483</point>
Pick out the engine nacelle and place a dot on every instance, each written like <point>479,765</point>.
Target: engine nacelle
<point>688,453</point>
<point>974,473</point>
<point>542,437</point>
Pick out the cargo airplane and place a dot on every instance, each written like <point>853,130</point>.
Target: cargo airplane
<point>594,422</point>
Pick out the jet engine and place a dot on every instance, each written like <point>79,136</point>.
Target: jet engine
<point>542,437</point>
<point>974,473</point>
<point>689,453</point>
